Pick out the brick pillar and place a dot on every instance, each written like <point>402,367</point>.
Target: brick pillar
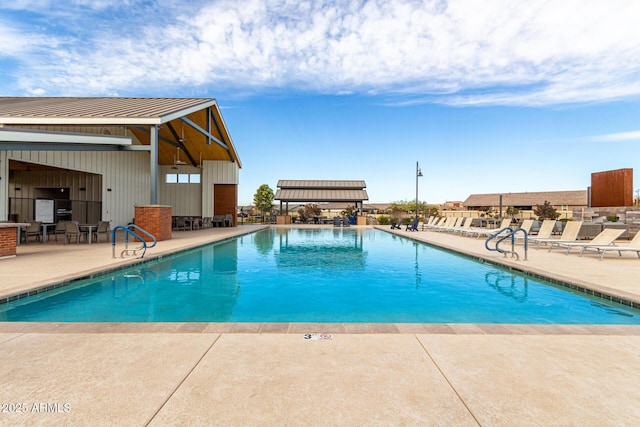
<point>155,219</point>
<point>8,241</point>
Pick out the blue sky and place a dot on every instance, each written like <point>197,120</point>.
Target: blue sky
<point>491,96</point>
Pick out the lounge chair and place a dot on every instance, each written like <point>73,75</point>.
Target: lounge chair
<point>413,226</point>
<point>396,225</point>
<point>605,238</point>
<point>569,234</point>
<point>526,226</point>
<point>435,223</point>
<point>427,223</point>
<point>485,232</point>
<point>451,224</point>
<point>545,230</point>
<point>444,223</point>
<point>632,246</point>
<point>33,230</point>
<point>463,225</point>
<point>72,229</point>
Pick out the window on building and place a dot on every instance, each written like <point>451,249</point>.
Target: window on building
<point>182,178</point>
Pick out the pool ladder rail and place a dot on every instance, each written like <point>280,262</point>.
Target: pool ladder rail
<point>129,230</point>
<point>504,234</point>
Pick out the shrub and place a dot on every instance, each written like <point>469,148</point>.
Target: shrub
<point>384,220</point>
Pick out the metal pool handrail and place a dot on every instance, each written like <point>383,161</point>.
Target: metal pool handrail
<point>128,230</point>
<point>511,234</point>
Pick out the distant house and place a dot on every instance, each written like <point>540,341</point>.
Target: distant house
<point>453,205</point>
<point>560,200</point>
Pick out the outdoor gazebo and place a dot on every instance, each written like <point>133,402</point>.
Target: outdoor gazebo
<point>320,191</point>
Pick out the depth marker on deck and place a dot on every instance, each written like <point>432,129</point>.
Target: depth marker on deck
<point>317,336</point>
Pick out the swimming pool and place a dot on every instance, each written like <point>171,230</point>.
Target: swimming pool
<point>317,275</point>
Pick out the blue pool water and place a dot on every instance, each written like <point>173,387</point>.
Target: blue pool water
<point>321,275</point>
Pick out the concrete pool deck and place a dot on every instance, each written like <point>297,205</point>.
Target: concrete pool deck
<point>269,374</point>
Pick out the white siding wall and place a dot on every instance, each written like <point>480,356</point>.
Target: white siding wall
<point>216,172</point>
<point>184,199</point>
<point>125,177</point>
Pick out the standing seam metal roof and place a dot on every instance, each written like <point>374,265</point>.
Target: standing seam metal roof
<point>311,195</point>
<point>47,108</point>
<point>322,184</point>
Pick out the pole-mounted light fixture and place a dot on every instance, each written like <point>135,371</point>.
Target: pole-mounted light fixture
<point>418,175</point>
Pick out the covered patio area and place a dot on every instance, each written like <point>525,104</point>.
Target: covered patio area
<point>320,191</point>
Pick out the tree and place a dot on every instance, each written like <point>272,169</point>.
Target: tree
<point>512,211</point>
<point>309,210</point>
<point>348,211</point>
<point>263,199</point>
<point>546,211</point>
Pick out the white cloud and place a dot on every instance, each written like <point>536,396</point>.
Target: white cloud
<point>458,52</point>
<point>617,137</point>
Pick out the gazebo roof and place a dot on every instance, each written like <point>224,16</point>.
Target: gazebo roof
<point>321,191</point>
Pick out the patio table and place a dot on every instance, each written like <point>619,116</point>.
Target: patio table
<point>89,228</point>
<point>45,230</point>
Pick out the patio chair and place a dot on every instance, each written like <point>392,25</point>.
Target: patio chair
<point>632,246</point>
<point>60,229</point>
<point>104,227</point>
<point>569,234</point>
<point>33,230</point>
<point>605,238</point>
<point>345,222</point>
<point>396,225</point>
<point>228,220</point>
<point>413,226</point>
<point>336,221</point>
<point>72,230</point>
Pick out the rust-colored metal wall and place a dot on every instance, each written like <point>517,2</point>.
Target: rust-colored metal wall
<point>612,188</point>
<point>225,200</point>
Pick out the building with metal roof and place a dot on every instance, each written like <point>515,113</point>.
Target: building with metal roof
<point>320,191</point>
<point>564,200</point>
<point>110,154</point>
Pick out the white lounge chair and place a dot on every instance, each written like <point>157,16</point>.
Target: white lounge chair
<point>605,238</point>
<point>485,232</point>
<point>569,234</point>
<point>633,246</point>
<point>452,224</point>
<point>526,226</point>
<point>465,226</point>
<point>444,222</point>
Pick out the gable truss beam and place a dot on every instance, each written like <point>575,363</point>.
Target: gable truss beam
<point>212,118</point>
<point>207,134</point>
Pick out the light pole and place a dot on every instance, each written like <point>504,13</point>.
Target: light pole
<point>418,175</point>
